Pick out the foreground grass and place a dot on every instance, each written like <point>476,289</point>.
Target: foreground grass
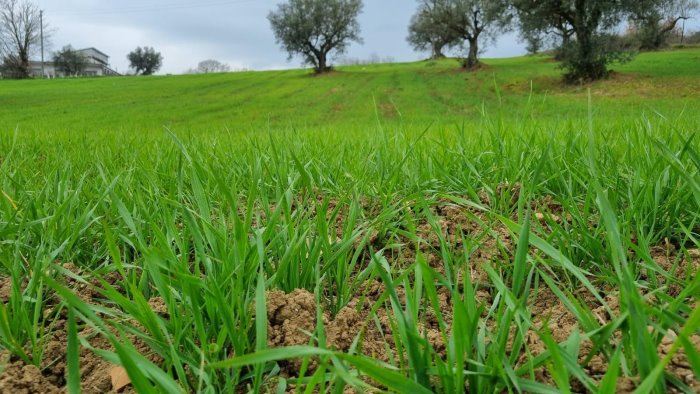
<point>176,245</point>
<point>528,242</point>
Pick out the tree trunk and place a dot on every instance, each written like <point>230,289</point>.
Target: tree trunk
<point>23,67</point>
<point>654,35</point>
<point>587,66</point>
<point>565,40</point>
<point>322,66</point>
<point>473,56</point>
<point>583,61</point>
<point>437,51</point>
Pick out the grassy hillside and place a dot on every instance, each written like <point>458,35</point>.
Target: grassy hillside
<point>396,228</point>
<point>416,93</point>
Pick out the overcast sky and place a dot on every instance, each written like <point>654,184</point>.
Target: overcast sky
<point>235,31</point>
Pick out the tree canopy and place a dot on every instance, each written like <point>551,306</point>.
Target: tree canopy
<point>69,61</point>
<point>458,23</point>
<point>474,19</point>
<point>212,66</point>
<point>20,34</point>
<point>654,20</point>
<point>145,61</point>
<point>589,44</point>
<point>316,29</point>
<point>428,28</point>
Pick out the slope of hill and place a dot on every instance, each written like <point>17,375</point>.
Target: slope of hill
<point>417,93</point>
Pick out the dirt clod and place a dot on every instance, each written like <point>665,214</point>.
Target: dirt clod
<point>291,317</point>
<point>25,379</point>
<point>159,306</point>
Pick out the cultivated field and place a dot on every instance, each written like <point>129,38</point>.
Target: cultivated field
<point>403,228</point>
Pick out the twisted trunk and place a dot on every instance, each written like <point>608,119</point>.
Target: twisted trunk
<point>322,63</point>
<point>437,51</point>
<point>473,56</point>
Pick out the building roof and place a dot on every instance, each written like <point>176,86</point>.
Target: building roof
<point>93,49</point>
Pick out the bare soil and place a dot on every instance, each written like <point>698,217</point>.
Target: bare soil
<point>51,375</point>
<point>366,321</point>
<point>292,317</point>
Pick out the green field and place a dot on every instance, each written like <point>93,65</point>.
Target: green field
<point>401,227</point>
<point>416,94</point>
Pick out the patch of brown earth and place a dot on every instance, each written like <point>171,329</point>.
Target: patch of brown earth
<point>292,321</point>
<point>5,289</point>
<point>486,240</point>
<point>375,336</point>
<point>50,375</point>
<point>159,306</point>
<point>389,110</point>
<point>547,308</point>
<point>20,378</point>
<point>561,322</point>
<point>675,264</point>
<point>291,318</point>
<point>680,365</point>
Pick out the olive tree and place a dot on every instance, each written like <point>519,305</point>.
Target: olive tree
<point>592,46</point>
<point>69,61</point>
<point>474,20</point>
<point>428,28</point>
<point>556,33</point>
<point>655,20</point>
<point>145,61</point>
<point>463,23</point>
<point>316,29</point>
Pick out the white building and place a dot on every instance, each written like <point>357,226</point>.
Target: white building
<point>97,66</point>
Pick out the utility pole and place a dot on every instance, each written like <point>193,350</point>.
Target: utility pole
<point>41,21</point>
<point>683,32</point>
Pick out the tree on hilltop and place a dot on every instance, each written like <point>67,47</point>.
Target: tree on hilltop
<point>145,61</point>
<point>471,20</point>
<point>427,30</point>
<point>316,29</point>
<point>465,23</point>
<point>212,66</point>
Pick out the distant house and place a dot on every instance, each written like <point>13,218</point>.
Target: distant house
<point>97,66</point>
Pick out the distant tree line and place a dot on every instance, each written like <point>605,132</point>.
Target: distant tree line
<point>582,33</point>
<point>209,66</point>
<point>373,58</point>
<point>20,40</point>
